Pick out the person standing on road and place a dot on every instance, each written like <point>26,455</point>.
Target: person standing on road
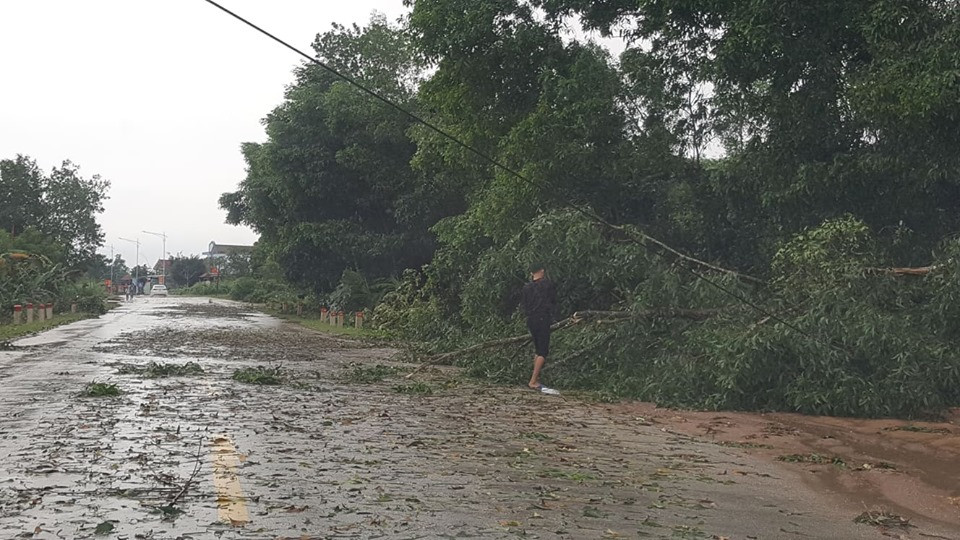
<point>538,299</point>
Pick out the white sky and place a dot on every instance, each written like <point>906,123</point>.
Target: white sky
<point>155,96</point>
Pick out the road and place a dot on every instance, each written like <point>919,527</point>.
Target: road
<point>342,448</point>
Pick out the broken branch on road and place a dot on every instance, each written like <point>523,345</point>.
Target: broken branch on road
<point>193,475</point>
<point>598,317</point>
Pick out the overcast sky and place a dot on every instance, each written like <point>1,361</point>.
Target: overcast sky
<point>156,97</point>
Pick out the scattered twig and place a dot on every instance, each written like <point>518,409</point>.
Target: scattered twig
<point>196,469</point>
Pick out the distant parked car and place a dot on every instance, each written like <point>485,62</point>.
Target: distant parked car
<point>158,290</point>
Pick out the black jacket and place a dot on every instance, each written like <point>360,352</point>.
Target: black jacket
<point>538,299</point>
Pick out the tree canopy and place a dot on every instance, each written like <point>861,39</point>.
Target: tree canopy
<point>62,205</point>
<point>810,145</point>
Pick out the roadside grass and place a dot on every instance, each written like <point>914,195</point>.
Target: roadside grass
<point>154,370</point>
<point>259,375</point>
<point>99,389</point>
<point>369,374</point>
<point>9,332</point>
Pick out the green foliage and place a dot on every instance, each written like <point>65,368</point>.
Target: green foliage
<point>355,292</point>
<point>837,122</point>
<point>260,290</point>
<point>221,288</point>
<point>328,190</point>
<point>154,370</point>
<point>105,527</point>
<point>860,342</point>
<point>259,375</point>
<point>236,265</point>
<point>33,270</point>
<point>98,389</point>
<point>367,375</point>
<point>89,296</point>
<point>186,271</point>
<point>101,268</point>
<point>62,206</point>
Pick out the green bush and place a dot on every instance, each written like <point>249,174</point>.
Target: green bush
<point>30,272</point>
<point>90,297</point>
<point>206,289</point>
<point>243,288</point>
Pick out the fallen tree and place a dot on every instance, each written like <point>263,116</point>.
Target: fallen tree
<point>599,317</point>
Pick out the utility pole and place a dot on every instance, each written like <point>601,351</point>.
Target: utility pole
<point>113,263</point>
<point>136,261</point>
<point>163,256</point>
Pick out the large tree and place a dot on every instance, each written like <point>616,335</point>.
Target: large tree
<point>63,205</point>
<point>185,271</point>
<point>824,108</point>
<point>330,188</point>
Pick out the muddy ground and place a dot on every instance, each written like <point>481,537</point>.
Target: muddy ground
<point>346,447</point>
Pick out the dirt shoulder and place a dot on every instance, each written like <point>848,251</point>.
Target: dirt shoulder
<point>908,468</point>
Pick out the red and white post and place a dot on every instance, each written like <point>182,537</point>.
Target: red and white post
<point>17,313</point>
<point>358,319</point>
<point>29,313</point>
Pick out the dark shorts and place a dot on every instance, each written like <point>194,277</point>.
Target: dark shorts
<point>540,330</point>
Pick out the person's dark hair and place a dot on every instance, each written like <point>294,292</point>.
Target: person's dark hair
<point>536,267</point>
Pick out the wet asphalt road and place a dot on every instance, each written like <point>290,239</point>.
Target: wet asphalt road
<point>334,452</point>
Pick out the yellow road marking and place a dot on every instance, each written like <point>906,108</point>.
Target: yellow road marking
<point>231,504</point>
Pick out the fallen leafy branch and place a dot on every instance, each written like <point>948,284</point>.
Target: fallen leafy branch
<point>577,318</point>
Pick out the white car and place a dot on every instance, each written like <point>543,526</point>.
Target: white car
<point>158,290</point>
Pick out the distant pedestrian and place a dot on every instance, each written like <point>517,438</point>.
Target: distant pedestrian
<point>538,299</point>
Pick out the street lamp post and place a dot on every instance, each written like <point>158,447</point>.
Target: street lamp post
<point>163,264</point>
<point>136,261</point>
<point>113,263</point>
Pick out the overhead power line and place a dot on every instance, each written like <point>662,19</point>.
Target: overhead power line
<point>644,239</point>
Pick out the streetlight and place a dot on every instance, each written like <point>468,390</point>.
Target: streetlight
<point>113,262</point>
<point>136,263</point>
<point>163,264</point>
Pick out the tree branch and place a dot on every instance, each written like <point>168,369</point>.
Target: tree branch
<point>577,318</point>
<point>918,271</point>
<point>647,238</point>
